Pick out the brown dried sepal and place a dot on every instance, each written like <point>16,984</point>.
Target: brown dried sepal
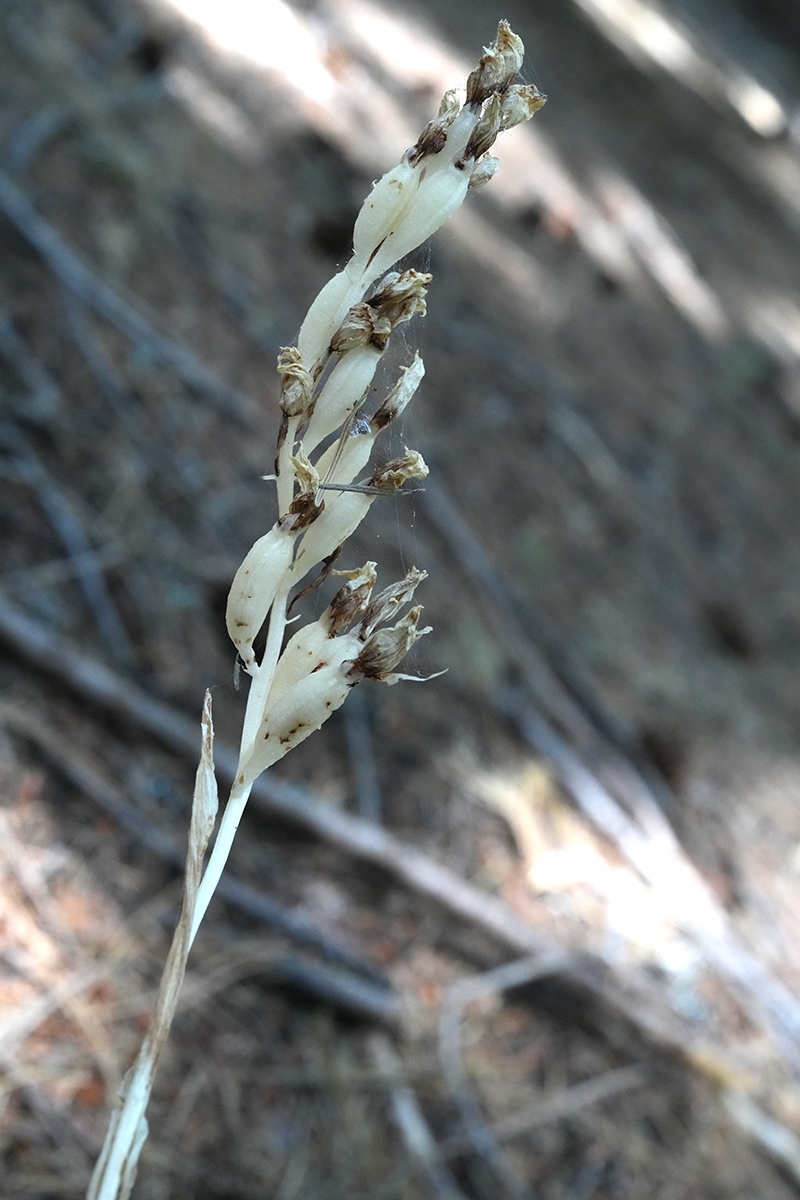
<point>304,507</point>
<point>485,132</point>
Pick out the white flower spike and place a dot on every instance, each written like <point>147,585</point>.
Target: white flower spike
<point>295,689</point>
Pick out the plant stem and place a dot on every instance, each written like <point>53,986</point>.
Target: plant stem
<point>237,800</point>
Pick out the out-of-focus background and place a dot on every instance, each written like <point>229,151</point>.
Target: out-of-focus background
<point>608,776</point>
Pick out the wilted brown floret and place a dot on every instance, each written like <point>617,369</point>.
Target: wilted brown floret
<point>362,326</point>
<point>395,473</point>
<point>351,600</point>
<point>388,603</point>
<point>385,649</point>
<point>496,70</point>
<point>296,384</point>
<point>434,136</point>
<point>401,296</point>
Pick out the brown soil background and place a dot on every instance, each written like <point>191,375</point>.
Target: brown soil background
<point>612,401</point>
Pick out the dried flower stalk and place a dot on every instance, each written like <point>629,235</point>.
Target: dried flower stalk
<point>323,495</point>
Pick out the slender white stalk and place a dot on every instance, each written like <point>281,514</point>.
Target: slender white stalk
<point>263,676</point>
<point>237,802</point>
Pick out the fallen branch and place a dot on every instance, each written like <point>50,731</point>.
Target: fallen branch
<point>643,1006</point>
<point>65,523</point>
<point>568,731</point>
<point>368,996</point>
<point>354,836</point>
<point>480,1136</point>
<point>410,1120</point>
<point>99,296</point>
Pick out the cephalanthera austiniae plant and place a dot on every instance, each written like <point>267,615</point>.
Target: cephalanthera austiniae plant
<point>325,381</point>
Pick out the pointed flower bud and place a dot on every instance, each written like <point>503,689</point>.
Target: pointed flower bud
<point>389,199</point>
<point>345,391</point>
<point>304,707</point>
<point>343,513</point>
<point>385,649</point>
<point>500,63</point>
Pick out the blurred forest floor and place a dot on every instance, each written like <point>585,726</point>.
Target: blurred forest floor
<point>611,412</point>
